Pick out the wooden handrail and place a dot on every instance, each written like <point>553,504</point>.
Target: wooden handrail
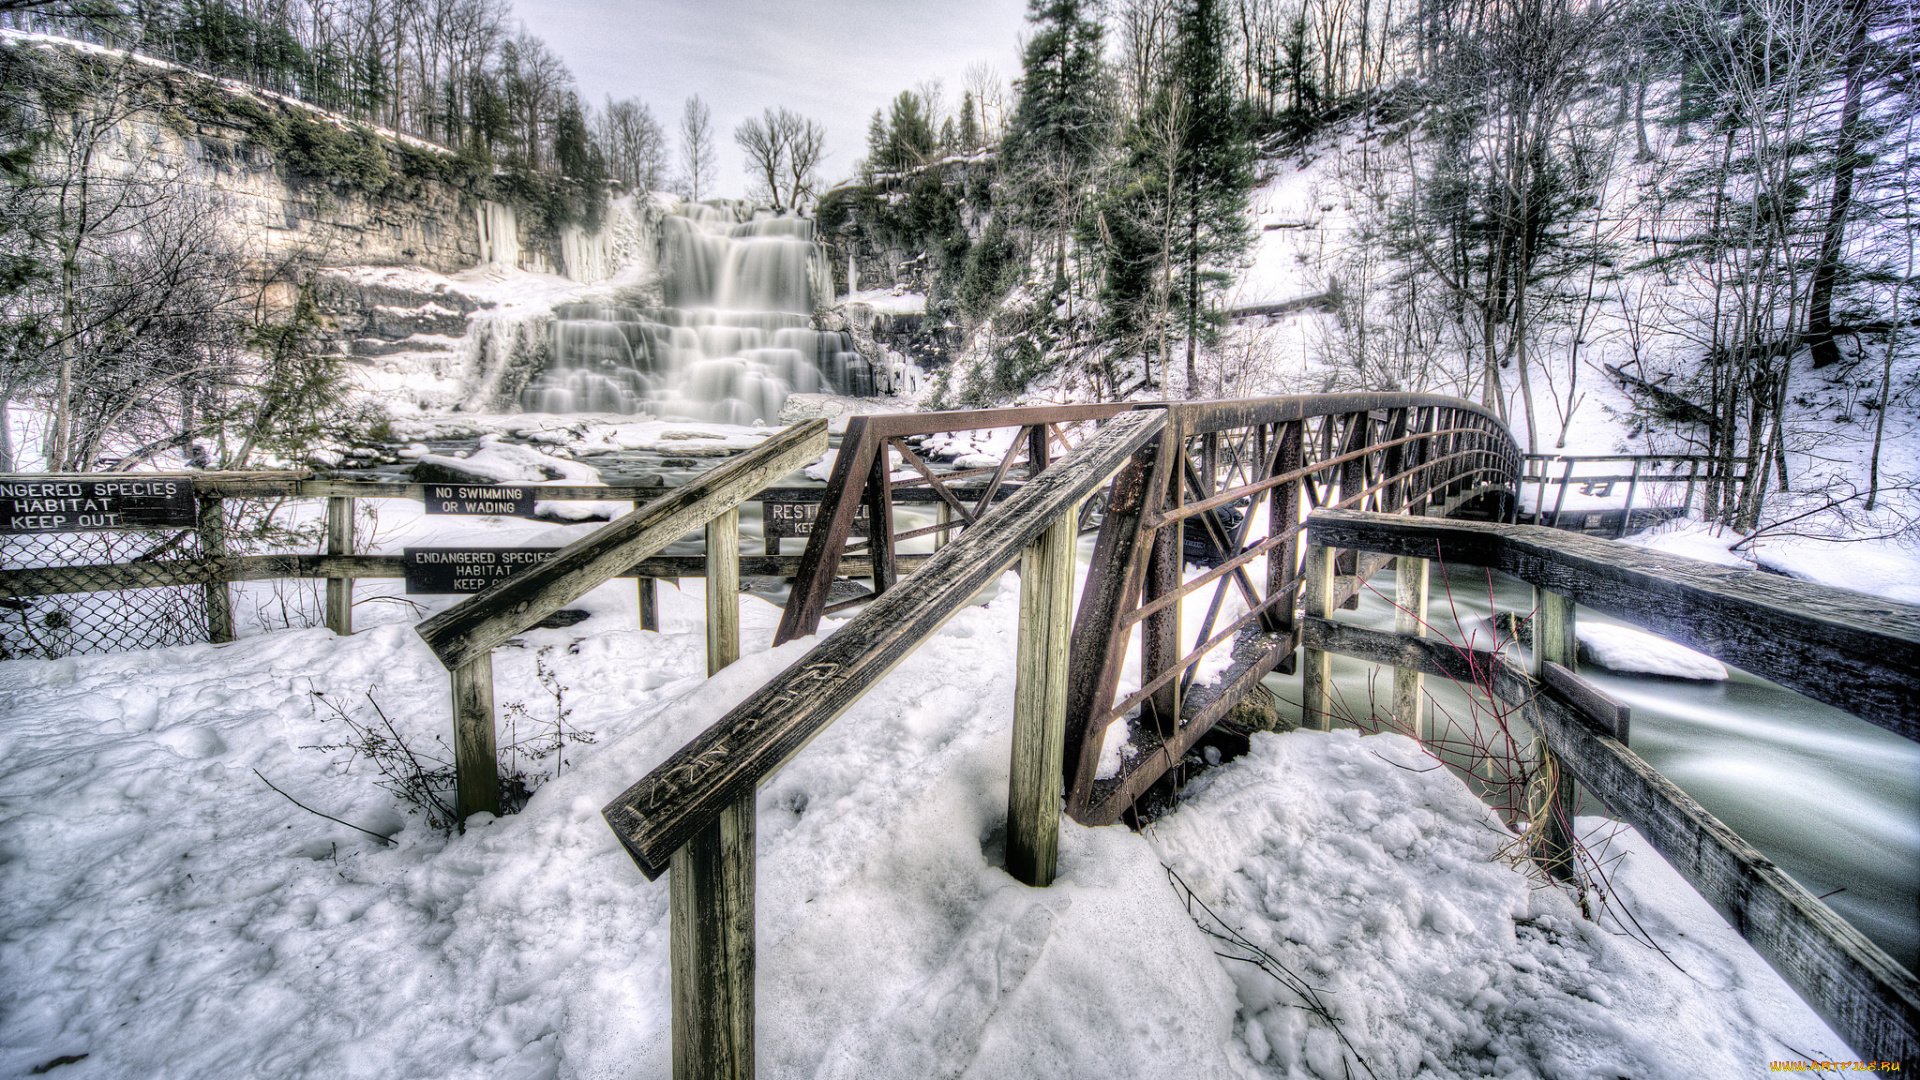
<point>684,794</point>
<point>477,625</point>
<point>1853,652</point>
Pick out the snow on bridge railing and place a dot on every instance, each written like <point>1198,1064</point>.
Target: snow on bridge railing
<point>1855,652</point>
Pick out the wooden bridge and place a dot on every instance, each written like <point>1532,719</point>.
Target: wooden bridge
<point>1229,534</point>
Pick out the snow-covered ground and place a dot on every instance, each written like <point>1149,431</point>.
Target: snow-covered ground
<point>170,915</point>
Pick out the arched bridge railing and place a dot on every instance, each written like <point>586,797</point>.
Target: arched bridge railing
<point>1197,565</point>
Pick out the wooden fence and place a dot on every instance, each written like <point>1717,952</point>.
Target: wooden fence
<point>1857,653</point>
<point>1643,471</point>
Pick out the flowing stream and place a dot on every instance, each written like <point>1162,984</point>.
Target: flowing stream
<point>1834,800</point>
<point>732,338</point>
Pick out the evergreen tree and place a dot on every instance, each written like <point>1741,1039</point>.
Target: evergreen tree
<point>1059,127</point>
<point>1212,173</point>
<point>969,127</point>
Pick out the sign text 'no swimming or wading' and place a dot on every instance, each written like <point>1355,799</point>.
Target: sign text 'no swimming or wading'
<point>469,499</point>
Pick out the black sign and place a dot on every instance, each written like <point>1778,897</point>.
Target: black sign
<point>64,504</point>
<point>796,518</point>
<point>471,499</point>
<point>465,570</point>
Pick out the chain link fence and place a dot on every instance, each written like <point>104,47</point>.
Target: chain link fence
<point>118,620</point>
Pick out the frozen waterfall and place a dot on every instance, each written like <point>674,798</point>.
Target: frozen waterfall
<point>733,338</point>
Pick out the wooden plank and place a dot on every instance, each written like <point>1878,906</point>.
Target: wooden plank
<point>658,814</point>
<point>820,562</point>
<point>1316,665</point>
<point>710,948</point>
<point>1607,713</point>
<point>1115,577</point>
<point>340,542</point>
<point>1551,795</point>
<point>477,783</point>
<point>649,603</point>
<point>1411,577</point>
<point>1854,652</point>
<point>213,545</point>
<point>1040,703</point>
<point>486,620</point>
<point>723,590</point>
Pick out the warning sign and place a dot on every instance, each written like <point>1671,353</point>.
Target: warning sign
<point>464,499</point>
<point>64,504</point>
<point>795,518</point>
<point>465,570</point>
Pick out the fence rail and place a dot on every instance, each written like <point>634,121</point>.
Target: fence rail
<point>464,636</point>
<point>1861,654</point>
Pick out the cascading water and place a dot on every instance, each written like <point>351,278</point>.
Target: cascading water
<point>731,340</point>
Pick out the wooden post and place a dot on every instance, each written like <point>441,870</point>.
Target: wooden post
<point>723,590</point>
<point>340,542</point>
<point>1626,516</point>
<point>710,879</point>
<point>477,784</point>
<point>1551,795</point>
<point>213,545</point>
<point>942,515</point>
<point>649,590</point>
<point>1409,686</point>
<point>1040,702</point>
<point>1693,472</point>
<point>1316,668</point>
<point>649,603</point>
<point>710,948</point>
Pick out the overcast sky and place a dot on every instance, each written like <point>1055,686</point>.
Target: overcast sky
<point>834,61</point>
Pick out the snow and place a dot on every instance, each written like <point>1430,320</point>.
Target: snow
<point>895,300</point>
<point>170,915</point>
<point>1623,648</point>
<point>1359,868</point>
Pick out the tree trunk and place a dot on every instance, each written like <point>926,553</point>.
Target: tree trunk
<point>1845,153</point>
<point>1193,290</point>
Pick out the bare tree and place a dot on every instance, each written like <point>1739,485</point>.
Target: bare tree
<point>698,164</point>
<point>634,144</point>
<point>783,151</point>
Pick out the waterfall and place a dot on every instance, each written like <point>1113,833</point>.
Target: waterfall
<point>499,234</point>
<point>731,339</point>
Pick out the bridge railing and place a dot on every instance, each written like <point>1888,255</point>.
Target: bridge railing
<point>692,817</point>
<point>1857,653</point>
<point>1186,516</point>
<point>862,478</point>
<point>1652,478</point>
<point>464,636</point>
